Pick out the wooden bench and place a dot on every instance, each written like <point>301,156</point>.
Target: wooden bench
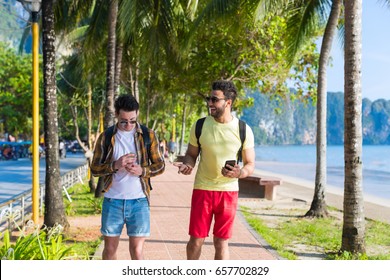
<point>179,158</point>
<point>261,187</point>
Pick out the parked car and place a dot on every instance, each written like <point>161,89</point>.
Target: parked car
<point>74,147</point>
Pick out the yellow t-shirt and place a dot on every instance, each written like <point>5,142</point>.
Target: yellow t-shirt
<point>219,142</point>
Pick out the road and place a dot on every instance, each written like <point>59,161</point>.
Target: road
<point>16,175</point>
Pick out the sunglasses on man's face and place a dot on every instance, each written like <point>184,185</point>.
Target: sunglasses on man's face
<point>213,99</point>
<point>124,123</point>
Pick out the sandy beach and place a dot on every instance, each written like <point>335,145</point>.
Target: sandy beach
<point>295,190</point>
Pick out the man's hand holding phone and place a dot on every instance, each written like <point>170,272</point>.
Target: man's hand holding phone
<point>231,169</point>
<point>124,160</point>
<point>131,166</point>
<point>229,164</point>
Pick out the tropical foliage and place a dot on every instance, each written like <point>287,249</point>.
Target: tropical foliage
<point>251,55</point>
<point>15,92</point>
<point>34,243</point>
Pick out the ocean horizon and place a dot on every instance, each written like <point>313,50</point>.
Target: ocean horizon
<point>299,161</point>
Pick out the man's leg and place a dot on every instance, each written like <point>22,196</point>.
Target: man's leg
<point>136,247</point>
<point>221,249</point>
<point>112,224</point>
<point>110,247</point>
<point>194,248</point>
<point>138,226</point>
<point>225,213</point>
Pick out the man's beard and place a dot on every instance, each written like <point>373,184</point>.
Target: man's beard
<point>218,112</point>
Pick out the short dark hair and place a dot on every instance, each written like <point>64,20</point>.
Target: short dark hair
<point>126,102</point>
<point>227,87</point>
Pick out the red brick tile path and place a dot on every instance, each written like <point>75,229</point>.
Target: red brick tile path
<point>170,209</point>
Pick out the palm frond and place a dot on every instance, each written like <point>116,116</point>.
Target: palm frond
<point>25,35</point>
<point>305,18</point>
<point>384,3</point>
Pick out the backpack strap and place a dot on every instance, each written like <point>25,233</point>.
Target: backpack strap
<point>242,127</point>
<point>198,130</point>
<point>146,137</point>
<point>107,140</point>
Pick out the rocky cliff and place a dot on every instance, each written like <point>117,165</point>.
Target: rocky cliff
<point>286,122</point>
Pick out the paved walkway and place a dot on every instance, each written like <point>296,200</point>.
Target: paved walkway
<point>170,210</point>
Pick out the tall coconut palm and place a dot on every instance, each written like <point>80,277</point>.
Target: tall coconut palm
<point>318,206</point>
<point>54,206</point>
<point>101,16</point>
<point>353,223</point>
<point>304,17</point>
<point>111,65</point>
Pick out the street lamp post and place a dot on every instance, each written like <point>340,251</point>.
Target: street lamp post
<point>174,127</point>
<point>34,6</point>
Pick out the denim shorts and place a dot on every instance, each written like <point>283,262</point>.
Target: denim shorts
<point>135,213</point>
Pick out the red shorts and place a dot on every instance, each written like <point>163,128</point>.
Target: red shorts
<point>206,204</point>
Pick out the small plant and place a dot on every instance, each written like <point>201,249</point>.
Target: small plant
<point>69,209</point>
<point>84,202</point>
<point>96,204</point>
<point>35,243</point>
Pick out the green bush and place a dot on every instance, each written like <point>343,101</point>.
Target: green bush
<point>39,244</point>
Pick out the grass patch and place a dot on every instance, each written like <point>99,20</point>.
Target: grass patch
<point>287,234</point>
<point>277,239</point>
<point>84,203</point>
<point>85,248</point>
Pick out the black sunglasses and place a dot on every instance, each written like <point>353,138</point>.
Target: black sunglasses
<point>124,123</point>
<point>213,99</point>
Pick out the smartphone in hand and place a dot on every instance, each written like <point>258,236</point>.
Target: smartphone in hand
<point>230,162</point>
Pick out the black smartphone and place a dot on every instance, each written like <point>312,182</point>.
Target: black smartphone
<point>230,162</point>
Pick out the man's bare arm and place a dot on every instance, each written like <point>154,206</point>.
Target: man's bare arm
<point>189,160</point>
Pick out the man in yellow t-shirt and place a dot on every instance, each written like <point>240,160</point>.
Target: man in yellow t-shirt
<point>215,191</point>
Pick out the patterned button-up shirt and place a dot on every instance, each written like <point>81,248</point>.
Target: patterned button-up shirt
<point>101,166</point>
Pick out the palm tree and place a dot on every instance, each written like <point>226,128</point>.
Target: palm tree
<point>353,222</point>
<point>99,29</point>
<point>304,17</point>
<point>111,65</point>
<point>54,206</point>
<point>318,206</point>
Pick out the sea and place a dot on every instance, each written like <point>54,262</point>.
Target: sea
<point>300,162</point>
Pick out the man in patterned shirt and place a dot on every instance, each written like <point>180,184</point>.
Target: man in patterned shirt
<point>127,164</point>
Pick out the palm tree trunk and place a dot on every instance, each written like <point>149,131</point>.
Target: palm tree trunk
<point>54,206</point>
<point>110,78</point>
<point>148,96</point>
<point>92,185</point>
<point>353,224</point>
<point>118,67</point>
<point>135,84</point>
<point>183,125</point>
<point>318,206</point>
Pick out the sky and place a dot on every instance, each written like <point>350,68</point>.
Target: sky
<point>375,54</point>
